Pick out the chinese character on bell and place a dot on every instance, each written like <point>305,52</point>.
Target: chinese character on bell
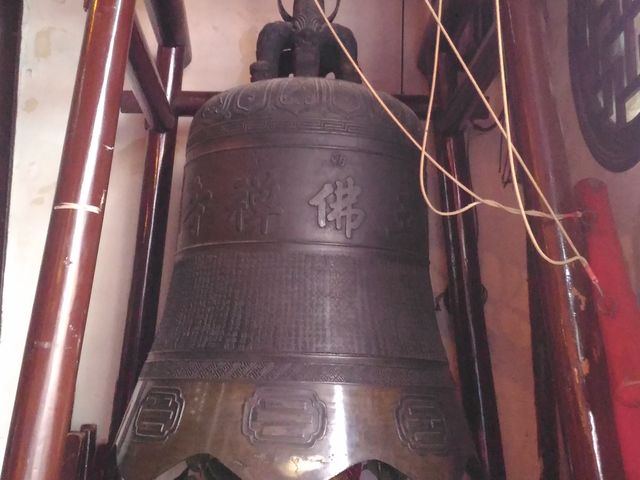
<point>336,204</point>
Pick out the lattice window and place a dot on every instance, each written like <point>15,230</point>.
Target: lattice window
<point>604,51</point>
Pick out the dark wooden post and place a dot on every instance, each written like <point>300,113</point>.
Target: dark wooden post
<point>169,21</point>
<point>152,226</point>
<point>573,339</point>
<point>147,84</point>
<point>466,302</point>
<point>10,34</point>
<point>42,411</point>
<point>544,397</point>
<point>465,291</point>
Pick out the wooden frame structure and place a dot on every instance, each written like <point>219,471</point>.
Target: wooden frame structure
<point>40,433</point>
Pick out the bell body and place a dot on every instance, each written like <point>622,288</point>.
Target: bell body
<point>299,336</point>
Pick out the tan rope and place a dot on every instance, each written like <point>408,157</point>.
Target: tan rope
<point>512,150</point>
<point>480,200</point>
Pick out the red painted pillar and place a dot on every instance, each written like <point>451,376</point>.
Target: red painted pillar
<point>619,318</point>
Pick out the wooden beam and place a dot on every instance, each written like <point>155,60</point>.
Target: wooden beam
<point>147,87</point>
<point>466,305</point>
<point>169,21</point>
<point>543,386</point>
<point>79,455</point>
<point>187,103</point>
<point>466,295</point>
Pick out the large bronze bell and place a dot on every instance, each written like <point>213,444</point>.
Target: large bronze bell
<point>299,336</point>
